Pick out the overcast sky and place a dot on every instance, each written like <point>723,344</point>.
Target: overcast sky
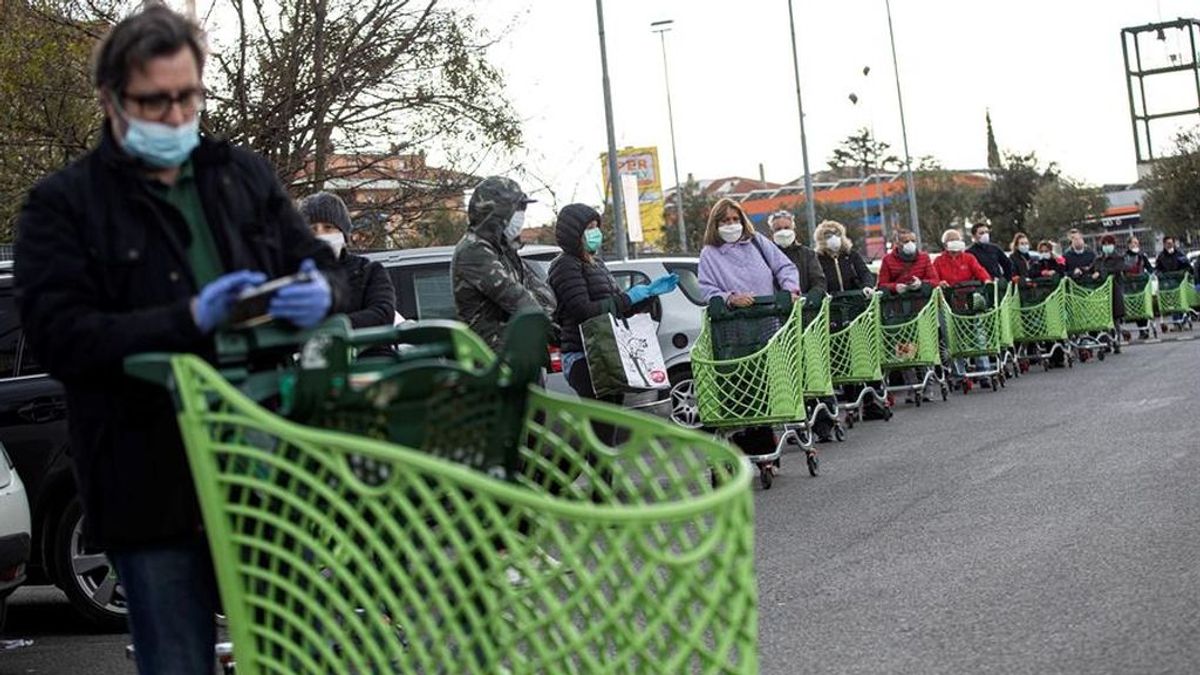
<point>1050,71</point>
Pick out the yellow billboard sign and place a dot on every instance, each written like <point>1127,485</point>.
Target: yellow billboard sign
<point>643,163</point>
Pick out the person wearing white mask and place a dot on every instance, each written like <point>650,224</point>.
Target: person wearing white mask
<point>783,231</point>
<point>905,268</point>
<point>491,282</point>
<point>372,299</point>
<point>1022,255</point>
<point>988,254</point>
<point>844,268</point>
<point>737,263</point>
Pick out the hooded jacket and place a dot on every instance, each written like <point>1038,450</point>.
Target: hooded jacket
<point>491,282</point>
<point>844,269</point>
<point>583,287</point>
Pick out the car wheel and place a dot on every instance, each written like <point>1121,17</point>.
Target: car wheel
<point>86,575</point>
<point>684,410</point>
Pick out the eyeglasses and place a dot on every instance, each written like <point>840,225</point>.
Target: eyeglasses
<point>158,105</point>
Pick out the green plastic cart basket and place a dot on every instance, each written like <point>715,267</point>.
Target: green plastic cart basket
<point>910,329</point>
<point>856,349</point>
<point>1139,298</point>
<point>1089,309</point>
<point>818,376</point>
<point>763,387</point>
<point>1176,293</point>
<point>972,320</point>
<point>1041,317</point>
<point>424,564</point>
<point>1009,305</point>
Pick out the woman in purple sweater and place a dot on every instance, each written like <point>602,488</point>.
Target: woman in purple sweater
<point>737,263</point>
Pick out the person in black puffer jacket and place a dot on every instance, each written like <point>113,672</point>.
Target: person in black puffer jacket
<point>584,288</point>
<point>372,299</point>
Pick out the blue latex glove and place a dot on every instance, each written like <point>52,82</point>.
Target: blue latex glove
<point>303,304</point>
<point>212,306</point>
<point>638,293</point>
<point>664,284</point>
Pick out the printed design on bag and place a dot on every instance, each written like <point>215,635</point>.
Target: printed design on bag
<point>635,348</point>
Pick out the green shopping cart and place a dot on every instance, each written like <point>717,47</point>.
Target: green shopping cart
<point>1177,297</point>
<point>973,333</point>
<point>747,366</point>
<point>534,549</point>
<point>1090,327</point>
<point>856,354</point>
<point>1040,323</point>
<point>1009,302</point>
<point>911,350</point>
<point>1139,305</point>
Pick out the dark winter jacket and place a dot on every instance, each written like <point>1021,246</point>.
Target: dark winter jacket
<point>844,268</point>
<point>583,288</point>
<point>812,277</point>
<point>102,273</point>
<point>1175,261</point>
<point>491,282</point>
<point>1083,260</point>
<point>1038,268</point>
<point>993,258</point>
<point>1136,263</point>
<point>372,300</point>
<point>1021,264</point>
<point>1112,266</point>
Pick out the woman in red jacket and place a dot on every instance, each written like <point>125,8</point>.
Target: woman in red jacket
<point>953,267</point>
<point>906,268</point>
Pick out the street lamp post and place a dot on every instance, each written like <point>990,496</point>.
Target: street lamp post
<point>662,28</point>
<point>912,190</point>
<point>614,180</point>
<point>809,205</point>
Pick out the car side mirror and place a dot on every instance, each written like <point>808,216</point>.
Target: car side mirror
<point>656,310</point>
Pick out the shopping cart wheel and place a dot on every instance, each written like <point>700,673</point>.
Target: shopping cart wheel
<point>1100,354</point>
<point>814,464</point>
<point>918,397</point>
<point>966,386</point>
<point>997,382</point>
<point>945,393</point>
<point>766,475</point>
<point>1116,346</point>
<point>839,432</point>
<point>887,414</point>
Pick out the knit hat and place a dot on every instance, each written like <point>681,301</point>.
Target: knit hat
<point>326,207</point>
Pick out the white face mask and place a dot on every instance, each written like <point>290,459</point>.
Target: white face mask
<point>336,241</point>
<point>513,230</point>
<point>1023,248</point>
<point>909,247</point>
<point>1135,249</point>
<point>984,238</point>
<point>730,233</point>
<point>834,243</point>
<point>785,238</point>
<point>956,246</point>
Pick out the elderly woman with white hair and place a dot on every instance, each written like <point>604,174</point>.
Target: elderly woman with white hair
<point>955,267</point>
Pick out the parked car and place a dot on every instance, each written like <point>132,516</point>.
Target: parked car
<point>33,430</point>
<point>14,531</point>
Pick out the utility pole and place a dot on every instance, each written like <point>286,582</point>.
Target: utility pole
<point>614,180</point>
<point>662,28</point>
<point>912,189</point>
<point>810,208</point>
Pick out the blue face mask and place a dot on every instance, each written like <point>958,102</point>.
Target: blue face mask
<point>160,145</point>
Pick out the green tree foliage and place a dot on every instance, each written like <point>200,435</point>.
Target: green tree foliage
<point>48,111</point>
<point>1007,204</point>
<point>1060,204</point>
<point>944,199</point>
<point>696,207</point>
<point>1173,191</point>
<point>861,151</point>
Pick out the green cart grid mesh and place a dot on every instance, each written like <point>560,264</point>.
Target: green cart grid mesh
<point>1045,321</point>
<point>321,572</point>
<point>1009,305</point>
<point>1089,309</point>
<point>913,343</point>
<point>1139,298</point>
<point>761,388</point>
<point>969,335</point>
<point>855,352</point>
<point>1176,294</point>
<point>818,378</point>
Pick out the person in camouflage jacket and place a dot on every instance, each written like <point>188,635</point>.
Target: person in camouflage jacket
<point>491,282</point>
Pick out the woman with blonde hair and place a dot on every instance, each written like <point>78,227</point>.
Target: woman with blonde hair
<point>844,268</point>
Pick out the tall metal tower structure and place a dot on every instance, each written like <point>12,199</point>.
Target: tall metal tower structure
<point>1163,56</point>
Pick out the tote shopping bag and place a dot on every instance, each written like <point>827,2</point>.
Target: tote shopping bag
<point>623,354</point>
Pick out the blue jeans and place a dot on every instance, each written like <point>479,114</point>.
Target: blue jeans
<point>172,597</point>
